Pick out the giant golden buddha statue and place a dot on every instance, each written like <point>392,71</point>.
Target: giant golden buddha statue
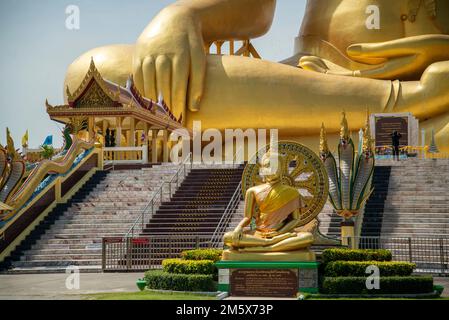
<point>339,63</point>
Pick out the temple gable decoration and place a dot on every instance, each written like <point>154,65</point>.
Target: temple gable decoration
<point>93,92</point>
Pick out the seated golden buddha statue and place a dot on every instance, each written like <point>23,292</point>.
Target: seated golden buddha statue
<point>340,62</point>
<point>276,209</point>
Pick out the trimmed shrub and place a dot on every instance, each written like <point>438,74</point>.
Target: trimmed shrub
<point>388,285</point>
<point>330,255</point>
<point>202,254</point>
<point>179,266</point>
<point>160,280</point>
<point>358,268</point>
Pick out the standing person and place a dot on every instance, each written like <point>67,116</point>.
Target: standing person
<point>395,139</point>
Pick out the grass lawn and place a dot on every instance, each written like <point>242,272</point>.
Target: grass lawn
<point>147,295</point>
<point>327,298</point>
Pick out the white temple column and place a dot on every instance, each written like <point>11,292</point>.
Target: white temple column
<point>91,129</point>
<point>165,146</point>
<point>118,135</point>
<point>154,145</point>
<point>132,133</point>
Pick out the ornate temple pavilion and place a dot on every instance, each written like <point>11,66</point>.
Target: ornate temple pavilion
<point>119,118</point>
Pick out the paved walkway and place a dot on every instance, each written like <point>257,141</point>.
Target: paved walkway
<point>53,286</point>
<point>445,283</point>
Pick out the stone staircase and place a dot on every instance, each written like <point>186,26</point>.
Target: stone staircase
<point>193,213</point>
<point>374,208</point>
<point>329,222</point>
<point>413,203</point>
<point>410,213</point>
<point>410,199</point>
<point>107,205</point>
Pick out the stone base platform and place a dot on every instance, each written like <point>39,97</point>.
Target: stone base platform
<point>276,279</point>
<point>300,255</point>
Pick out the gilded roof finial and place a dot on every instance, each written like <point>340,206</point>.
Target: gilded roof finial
<point>92,63</point>
<point>344,132</point>
<point>118,93</point>
<point>130,82</point>
<point>367,140</point>
<point>69,94</point>
<point>324,148</point>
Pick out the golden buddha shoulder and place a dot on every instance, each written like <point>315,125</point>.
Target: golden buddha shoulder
<point>343,65</point>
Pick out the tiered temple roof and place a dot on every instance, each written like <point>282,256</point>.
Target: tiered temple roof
<point>98,97</point>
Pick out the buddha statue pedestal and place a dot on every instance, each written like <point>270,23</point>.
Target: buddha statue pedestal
<point>275,279</point>
<point>304,255</point>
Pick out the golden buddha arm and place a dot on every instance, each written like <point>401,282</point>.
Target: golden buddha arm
<point>232,19</point>
<point>291,225</point>
<point>169,57</point>
<point>250,204</point>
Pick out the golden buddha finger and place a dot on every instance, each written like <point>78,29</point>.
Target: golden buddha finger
<point>149,78</point>
<point>314,62</point>
<point>393,68</point>
<point>138,75</point>
<point>180,81</point>
<point>398,48</point>
<point>197,72</point>
<point>163,78</point>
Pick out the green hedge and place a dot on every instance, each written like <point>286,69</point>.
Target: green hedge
<point>388,285</point>
<point>358,268</point>
<point>202,254</point>
<point>179,266</point>
<point>160,280</point>
<point>330,255</point>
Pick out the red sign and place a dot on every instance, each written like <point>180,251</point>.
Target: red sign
<point>141,241</point>
<point>113,240</point>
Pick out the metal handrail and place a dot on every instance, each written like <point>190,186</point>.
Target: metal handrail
<point>226,217</point>
<point>159,193</point>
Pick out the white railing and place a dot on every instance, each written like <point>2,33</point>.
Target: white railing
<point>233,204</point>
<point>126,155</point>
<point>158,197</point>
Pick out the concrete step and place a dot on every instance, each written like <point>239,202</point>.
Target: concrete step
<point>55,263</point>
<point>69,244</point>
<point>59,252</point>
<point>61,257</point>
<point>52,270</point>
<point>63,231</point>
<point>86,236</point>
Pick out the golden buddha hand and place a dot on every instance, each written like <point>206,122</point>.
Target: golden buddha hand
<point>166,54</point>
<point>169,56</point>
<point>405,58</point>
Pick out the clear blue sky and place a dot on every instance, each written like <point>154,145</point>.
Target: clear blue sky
<point>36,49</point>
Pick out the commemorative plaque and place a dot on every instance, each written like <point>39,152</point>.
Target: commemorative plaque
<point>385,126</point>
<point>282,283</point>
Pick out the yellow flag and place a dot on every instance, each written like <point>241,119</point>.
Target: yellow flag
<point>25,139</point>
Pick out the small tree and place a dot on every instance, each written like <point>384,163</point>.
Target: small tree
<point>47,152</point>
